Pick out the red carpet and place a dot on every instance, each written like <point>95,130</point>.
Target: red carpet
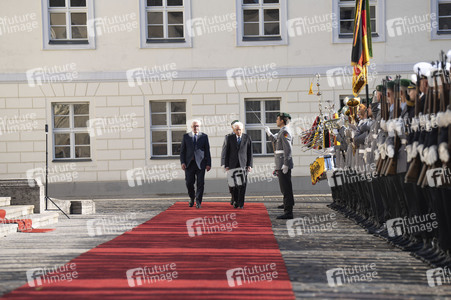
<point>227,258</point>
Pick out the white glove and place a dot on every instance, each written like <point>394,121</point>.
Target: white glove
<point>284,169</point>
<point>268,131</point>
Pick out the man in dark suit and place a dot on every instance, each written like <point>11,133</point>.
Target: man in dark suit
<point>223,154</point>
<point>195,159</point>
<point>238,162</point>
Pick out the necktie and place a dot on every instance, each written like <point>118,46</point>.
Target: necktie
<point>195,140</point>
<point>239,141</point>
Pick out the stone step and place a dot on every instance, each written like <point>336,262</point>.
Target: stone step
<point>17,211</point>
<point>44,219</point>
<point>5,201</point>
<point>6,229</point>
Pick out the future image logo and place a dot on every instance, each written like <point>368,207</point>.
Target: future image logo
<point>438,177</point>
<point>438,276</point>
<point>210,225</point>
<point>39,276</point>
<point>351,274</point>
<point>411,24</point>
<point>149,275</point>
<point>239,76</point>
<point>251,274</point>
<point>411,225</point>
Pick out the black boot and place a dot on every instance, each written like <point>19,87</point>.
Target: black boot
<point>288,213</point>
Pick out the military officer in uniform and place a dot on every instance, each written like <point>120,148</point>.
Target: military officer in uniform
<point>284,161</point>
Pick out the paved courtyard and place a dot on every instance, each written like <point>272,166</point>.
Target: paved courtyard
<point>326,241</point>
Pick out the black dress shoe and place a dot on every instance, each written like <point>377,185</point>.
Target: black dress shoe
<point>281,206</point>
<point>241,207</point>
<point>235,205</point>
<point>197,205</point>
<point>285,216</point>
<point>231,202</point>
<point>191,203</point>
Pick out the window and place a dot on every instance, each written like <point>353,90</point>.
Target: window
<point>441,24</point>
<point>70,135</point>
<point>344,10</point>
<point>66,24</point>
<point>165,23</point>
<point>261,113</point>
<point>261,22</point>
<point>168,125</point>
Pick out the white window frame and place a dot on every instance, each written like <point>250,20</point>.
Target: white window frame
<point>71,130</point>
<point>272,126</point>
<point>46,26</point>
<point>168,128</point>
<point>165,43</point>
<point>380,22</point>
<point>282,6</point>
<point>435,21</point>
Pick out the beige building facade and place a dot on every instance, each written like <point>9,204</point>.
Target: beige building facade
<point>117,82</point>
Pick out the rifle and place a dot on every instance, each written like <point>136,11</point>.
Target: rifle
<point>415,164</point>
<point>425,134</point>
<point>433,134</point>
<point>393,162</point>
<point>384,116</point>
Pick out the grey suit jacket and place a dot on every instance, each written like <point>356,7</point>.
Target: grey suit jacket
<point>283,148</point>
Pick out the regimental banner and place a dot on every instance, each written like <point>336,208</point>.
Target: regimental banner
<point>361,46</point>
<point>317,170</point>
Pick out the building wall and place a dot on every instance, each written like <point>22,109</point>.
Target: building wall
<point>201,82</point>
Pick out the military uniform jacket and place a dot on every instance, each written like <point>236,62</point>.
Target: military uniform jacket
<point>283,148</point>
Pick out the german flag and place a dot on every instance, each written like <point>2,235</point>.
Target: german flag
<point>361,46</point>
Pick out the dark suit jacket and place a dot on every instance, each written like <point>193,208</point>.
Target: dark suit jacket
<point>241,156</point>
<point>200,155</point>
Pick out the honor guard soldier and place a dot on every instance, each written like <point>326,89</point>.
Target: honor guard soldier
<point>284,161</point>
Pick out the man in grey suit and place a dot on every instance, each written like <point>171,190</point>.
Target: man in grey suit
<point>195,159</point>
<point>238,161</point>
<point>284,161</point>
<point>223,153</point>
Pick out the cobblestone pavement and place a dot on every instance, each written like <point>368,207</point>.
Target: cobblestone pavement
<point>326,241</point>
